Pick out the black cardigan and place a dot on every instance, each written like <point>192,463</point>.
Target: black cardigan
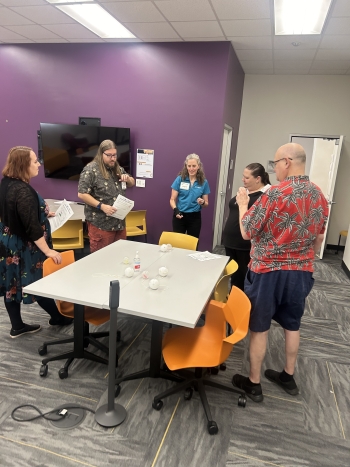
<point>19,209</point>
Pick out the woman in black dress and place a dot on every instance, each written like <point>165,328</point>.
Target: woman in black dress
<point>256,181</point>
<point>25,240</point>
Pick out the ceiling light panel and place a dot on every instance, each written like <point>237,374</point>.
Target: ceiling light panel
<point>300,16</point>
<point>98,20</point>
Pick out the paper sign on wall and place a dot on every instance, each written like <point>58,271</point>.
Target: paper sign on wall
<point>144,163</point>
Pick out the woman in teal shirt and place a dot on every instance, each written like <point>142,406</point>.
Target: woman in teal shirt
<point>189,195</point>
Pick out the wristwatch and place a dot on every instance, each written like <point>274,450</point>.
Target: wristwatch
<point>99,205</point>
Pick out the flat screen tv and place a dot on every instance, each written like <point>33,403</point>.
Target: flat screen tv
<point>66,149</point>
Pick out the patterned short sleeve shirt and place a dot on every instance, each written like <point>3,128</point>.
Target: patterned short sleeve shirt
<point>283,225</point>
<point>103,190</point>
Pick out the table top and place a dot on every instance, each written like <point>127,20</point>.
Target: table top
<point>180,298</point>
<point>78,209</point>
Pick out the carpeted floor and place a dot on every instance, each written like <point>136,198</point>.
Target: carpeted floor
<point>311,429</point>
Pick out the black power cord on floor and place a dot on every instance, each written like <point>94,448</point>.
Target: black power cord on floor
<point>59,412</point>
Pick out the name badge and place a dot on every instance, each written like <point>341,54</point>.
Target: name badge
<point>123,185</point>
<point>184,185</point>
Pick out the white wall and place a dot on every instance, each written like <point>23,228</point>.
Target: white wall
<point>275,106</point>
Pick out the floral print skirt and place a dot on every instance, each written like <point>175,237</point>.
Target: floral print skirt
<point>21,263</point>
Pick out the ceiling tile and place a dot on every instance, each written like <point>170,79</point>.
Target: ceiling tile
<point>327,72</point>
<point>256,64</point>
<point>287,71</point>
<point>185,10</point>
<point>71,31</point>
<point>33,32</point>
<point>294,54</point>
<point>338,26</point>
<point>198,29</point>
<point>204,39</point>
<point>133,12</point>
<point>43,14</point>
<point>78,40</point>
<point>22,2</point>
<point>333,54</point>
<point>292,64</point>
<point>6,35</point>
<point>335,42</point>
<point>11,18</point>
<point>341,8</point>
<point>152,30</point>
<point>245,27</point>
<point>330,64</point>
<point>51,41</point>
<point>131,39</point>
<point>305,42</point>
<point>259,72</point>
<point>254,54</point>
<point>18,41</point>
<point>259,42</point>
<point>241,9</point>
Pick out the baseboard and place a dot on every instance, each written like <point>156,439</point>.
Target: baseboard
<point>345,269</point>
<point>335,247</point>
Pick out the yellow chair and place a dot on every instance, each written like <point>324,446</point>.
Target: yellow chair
<point>179,240</point>
<point>91,315</point>
<point>221,289</point>
<point>342,233</point>
<point>69,236</point>
<point>135,223</point>
<point>204,347</point>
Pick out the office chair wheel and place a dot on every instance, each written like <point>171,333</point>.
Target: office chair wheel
<point>213,370</point>
<point>188,394</point>
<point>212,428</point>
<point>223,366</point>
<point>242,401</point>
<point>43,370</point>
<point>117,390</point>
<point>119,336</point>
<point>42,350</point>
<point>63,373</point>
<point>157,405</point>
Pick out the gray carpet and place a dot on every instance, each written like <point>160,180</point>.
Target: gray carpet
<point>311,429</point>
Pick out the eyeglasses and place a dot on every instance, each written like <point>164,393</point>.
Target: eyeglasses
<point>111,156</point>
<point>282,159</point>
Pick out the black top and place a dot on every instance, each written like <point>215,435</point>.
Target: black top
<point>231,236</point>
<point>19,209</point>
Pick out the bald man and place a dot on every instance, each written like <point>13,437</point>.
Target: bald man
<point>286,228</point>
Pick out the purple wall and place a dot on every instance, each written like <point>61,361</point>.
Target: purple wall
<point>171,95</point>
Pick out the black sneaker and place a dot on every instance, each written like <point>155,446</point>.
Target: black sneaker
<point>290,387</point>
<point>254,392</point>
<point>62,321</point>
<point>28,328</point>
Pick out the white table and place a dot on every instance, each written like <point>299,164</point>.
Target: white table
<point>180,299</point>
<point>78,209</point>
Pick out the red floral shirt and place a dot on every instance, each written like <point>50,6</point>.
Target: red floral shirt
<point>283,225</point>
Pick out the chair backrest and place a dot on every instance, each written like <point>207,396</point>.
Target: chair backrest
<point>70,235</point>
<point>136,219</point>
<point>237,313</point>
<point>221,289</point>
<point>179,240</point>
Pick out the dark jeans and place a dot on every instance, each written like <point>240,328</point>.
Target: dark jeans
<point>190,224</point>
<point>242,258</point>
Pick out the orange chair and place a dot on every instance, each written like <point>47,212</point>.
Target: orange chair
<point>205,347</point>
<point>91,315</point>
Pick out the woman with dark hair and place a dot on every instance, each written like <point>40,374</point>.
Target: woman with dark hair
<point>256,181</point>
<point>189,194</point>
<point>25,240</point>
<point>100,183</point>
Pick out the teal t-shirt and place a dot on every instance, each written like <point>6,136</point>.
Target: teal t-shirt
<point>188,194</point>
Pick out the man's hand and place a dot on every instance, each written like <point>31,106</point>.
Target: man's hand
<point>242,198</point>
<point>109,210</point>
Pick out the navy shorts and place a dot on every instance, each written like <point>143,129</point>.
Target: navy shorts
<point>277,295</point>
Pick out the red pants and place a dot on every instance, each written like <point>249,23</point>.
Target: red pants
<point>101,238</point>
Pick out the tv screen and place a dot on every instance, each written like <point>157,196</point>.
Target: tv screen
<point>66,149</point>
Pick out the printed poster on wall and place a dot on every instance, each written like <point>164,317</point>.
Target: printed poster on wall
<point>144,163</point>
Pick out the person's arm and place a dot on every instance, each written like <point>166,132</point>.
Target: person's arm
<point>91,201</point>
<point>317,243</point>
<point>203,201</point>
<point>242,199</point>
<point>130,181</point>
<point>173,199</point>
<point>44,247</point>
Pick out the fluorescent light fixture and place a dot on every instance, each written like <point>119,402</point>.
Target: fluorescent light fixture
<point>98,20</point>
<point>300,16</point>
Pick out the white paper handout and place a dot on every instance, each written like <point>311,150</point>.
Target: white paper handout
<point>123,205</point>
<point>63,213</point>
<point>204,256</point>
